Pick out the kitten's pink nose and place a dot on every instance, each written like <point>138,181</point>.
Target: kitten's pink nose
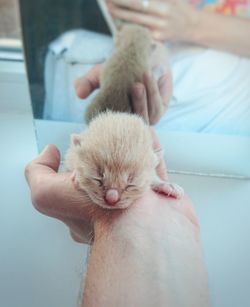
<point>112,196</point>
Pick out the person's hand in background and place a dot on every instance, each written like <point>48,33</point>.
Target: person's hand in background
<point>179,21</point>
<point>171,20</point>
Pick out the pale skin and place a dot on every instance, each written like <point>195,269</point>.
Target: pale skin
<point>148,255</point>
<point>177,20</point>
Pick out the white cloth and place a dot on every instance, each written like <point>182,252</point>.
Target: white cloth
<point>211,94</point>
<point>211,88</point>
<point>69,57</point>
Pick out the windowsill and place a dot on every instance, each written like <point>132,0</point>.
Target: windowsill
<point>11,55</point>
<point>14,87</point>
<point>12,70</point>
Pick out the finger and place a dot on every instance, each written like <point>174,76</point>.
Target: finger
<point>150,21</point>
<point>158,8</point>
<point>154,101</point>
<point>85,85</point>
<point>161,169</point>
<point>160,35</point>
<point>81,232</point>
<point>53,193</point>
<point>46,163</point>
<point>165,85</point>
<point>139,100</point>
<point>57,197</point>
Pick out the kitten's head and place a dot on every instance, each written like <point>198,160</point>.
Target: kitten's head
<point>109,186</point>
<point>130,34</point>
<point>115,166</point>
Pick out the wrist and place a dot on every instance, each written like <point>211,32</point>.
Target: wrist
<point>192,32</point>
<point>142,253</point>
<point>205,25</point>
<point>152,216</point>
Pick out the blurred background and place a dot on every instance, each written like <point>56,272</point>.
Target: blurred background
<point>9,21</point>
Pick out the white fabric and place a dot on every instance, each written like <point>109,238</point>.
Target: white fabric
<point>69,57</point>
<point>211,94</point>
<point>211,88</point>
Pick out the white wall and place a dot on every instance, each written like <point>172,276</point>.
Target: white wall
<point>39,263</point>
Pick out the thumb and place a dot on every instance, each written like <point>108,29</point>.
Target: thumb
<point>50,157</point>
<point>85,85</point>
<point>46,163</point>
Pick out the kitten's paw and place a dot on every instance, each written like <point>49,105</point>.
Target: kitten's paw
<point>169,189</point>
<point>74,180</point>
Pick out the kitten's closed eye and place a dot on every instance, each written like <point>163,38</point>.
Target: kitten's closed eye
<point>98,180</point>
<point>130,186</point>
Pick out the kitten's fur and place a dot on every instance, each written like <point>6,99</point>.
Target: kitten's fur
<point>115,153</point>
<point>131,58</point>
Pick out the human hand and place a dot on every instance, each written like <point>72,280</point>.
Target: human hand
<point>150,99</point>
<point>168,20</point>
<point>54,194</point>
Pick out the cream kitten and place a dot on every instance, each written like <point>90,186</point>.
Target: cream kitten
<point>135,53</point>
<point>113,161</point>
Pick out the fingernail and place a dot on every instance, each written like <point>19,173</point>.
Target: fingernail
<point>44,150</point>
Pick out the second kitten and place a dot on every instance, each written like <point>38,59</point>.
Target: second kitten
<point>135,53</point>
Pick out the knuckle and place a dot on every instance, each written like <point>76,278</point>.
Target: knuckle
<point>39,197</point>
<point>27,171</point>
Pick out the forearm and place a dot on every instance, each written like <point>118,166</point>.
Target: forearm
<point>221,32</point>
<point>144,261</point>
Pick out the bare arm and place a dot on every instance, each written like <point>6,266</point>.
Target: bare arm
<point>149,256</point>
<point>222,32</point>
<point>176,20</point>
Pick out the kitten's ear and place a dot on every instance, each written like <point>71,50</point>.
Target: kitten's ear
<point>158,155</point>
<point>75,139</point>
